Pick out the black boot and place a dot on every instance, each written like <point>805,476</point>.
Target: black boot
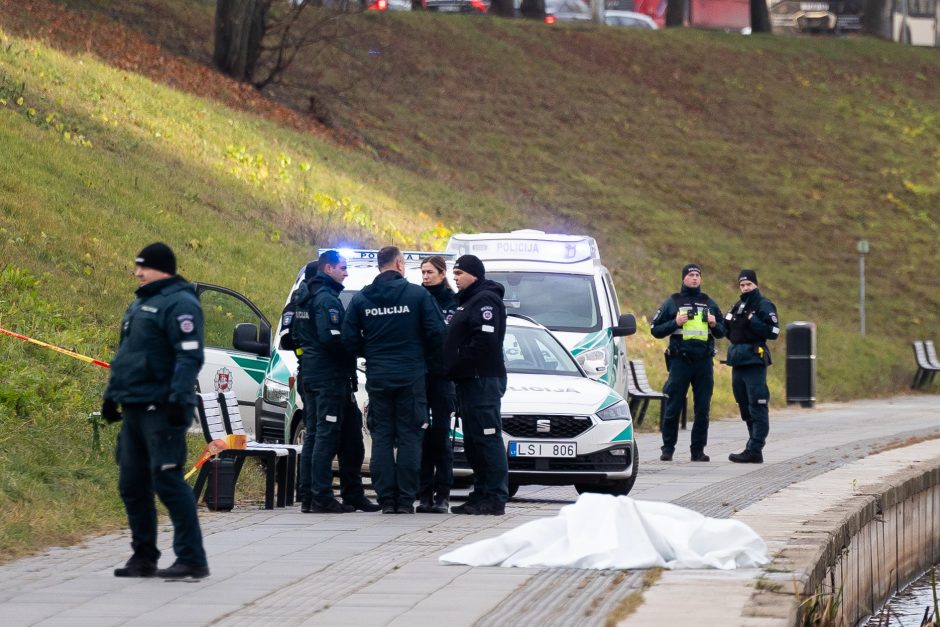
<point>137,567</point>
<point>305,505</point>
<point>182,571</point>
<point>363,504</point>
<point>441,505</point>
<point>425,506</point>
<point>700,456</point>
<point>747,456</point>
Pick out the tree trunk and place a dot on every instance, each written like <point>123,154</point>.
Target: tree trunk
<point>504,8</point>
<point>239,28</point>
<point>760,17</point>
<point>534,9</point>
<point>676,12</point>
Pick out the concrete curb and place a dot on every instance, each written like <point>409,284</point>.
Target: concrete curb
<point>867,528</point>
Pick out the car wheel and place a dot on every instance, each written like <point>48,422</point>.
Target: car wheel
<point>299,432</point>
<point>616,488</point>
<point>513,488</point>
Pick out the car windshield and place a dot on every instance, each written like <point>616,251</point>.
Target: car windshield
<point>561,302</point>
<point>535,351</point>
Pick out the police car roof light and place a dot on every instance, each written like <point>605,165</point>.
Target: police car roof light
<point>526,245</point>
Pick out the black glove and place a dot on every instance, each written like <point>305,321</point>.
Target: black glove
<point>109,411</point>
<point>179,415</point>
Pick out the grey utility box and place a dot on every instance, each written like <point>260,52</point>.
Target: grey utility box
<point>801,363</point>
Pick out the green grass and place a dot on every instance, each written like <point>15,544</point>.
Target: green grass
<point>668,147</point>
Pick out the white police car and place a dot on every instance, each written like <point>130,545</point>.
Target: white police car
<point>560,426</point>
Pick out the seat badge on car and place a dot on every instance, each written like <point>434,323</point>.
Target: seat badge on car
<point>543,426</point>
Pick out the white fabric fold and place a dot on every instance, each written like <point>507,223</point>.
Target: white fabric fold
<point>602,531</point>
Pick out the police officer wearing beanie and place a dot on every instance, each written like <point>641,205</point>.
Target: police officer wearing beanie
<point>691,320</point>
<point>751,322</point>
<point>327,376</point>
<point>473,359</point>
<point>398,328</point>
<point>152,388</point>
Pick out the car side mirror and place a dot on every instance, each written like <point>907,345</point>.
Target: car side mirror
<point>626,325</point>
<point>246,338</point>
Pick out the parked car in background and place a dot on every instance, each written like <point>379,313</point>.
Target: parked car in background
<point>567,11</point>
<point>389,5</point>
<point>457,6</point>
<point>629,19</point>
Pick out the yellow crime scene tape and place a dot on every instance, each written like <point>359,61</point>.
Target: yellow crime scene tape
<point>58,349</point>
<point>212,449</point>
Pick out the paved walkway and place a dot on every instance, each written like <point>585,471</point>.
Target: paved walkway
<point>286,568</point>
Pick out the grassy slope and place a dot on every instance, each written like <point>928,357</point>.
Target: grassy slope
<point>763,152</point>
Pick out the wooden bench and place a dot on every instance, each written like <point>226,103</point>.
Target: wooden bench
<point>639,391</point>
<point>274,461</point>
<point>232,418</point>
<point>927,366</point>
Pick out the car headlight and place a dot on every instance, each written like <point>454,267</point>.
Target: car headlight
<point>593,361</point>
<point>275,393</point>
<point>618,411</point>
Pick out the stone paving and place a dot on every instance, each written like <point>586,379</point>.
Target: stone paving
<point>286,568</point>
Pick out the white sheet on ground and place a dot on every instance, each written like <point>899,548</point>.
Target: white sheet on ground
<point>602,531</point>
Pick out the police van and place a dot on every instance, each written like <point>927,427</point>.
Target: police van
<point>560,282</point>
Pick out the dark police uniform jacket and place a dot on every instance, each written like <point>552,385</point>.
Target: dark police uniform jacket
<point>316,331</point>
<point>474,344</point>
<point>445,299</point>
<point>664,323</point>
<point>751,322</point>
<point>161,346</point>
<point>397,327</point>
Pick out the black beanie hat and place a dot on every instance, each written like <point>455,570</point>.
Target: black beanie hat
<point>471,264</point>
<point>157,256</point>
<point>747,275</point>
<point>689,267</point>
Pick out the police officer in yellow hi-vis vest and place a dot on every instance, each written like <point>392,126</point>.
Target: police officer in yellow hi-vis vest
<point>692,321</point>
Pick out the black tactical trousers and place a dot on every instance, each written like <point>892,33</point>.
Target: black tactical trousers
<point>479,403</point>
<point>151,454</point>
<point>682,373</point>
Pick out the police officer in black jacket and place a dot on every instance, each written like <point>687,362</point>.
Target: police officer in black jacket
<point>473,359</point>
<point>152,387</point>
<point>691,320</point>
<point>751,322</point>
<point>328,377</point>
<point>398,328</point>
<point>437,451</point>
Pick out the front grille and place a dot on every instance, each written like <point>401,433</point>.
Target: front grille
<point>272,433</point>
<point>601,461</point>
<point>534,426</point>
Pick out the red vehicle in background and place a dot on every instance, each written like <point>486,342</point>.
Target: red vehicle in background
<point>734,15</point>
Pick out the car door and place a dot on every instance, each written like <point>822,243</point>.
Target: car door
<point>237,347</point>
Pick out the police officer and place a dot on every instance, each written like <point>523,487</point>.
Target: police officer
<point>437,452</point>
<point>473,358</point>
<point>287,342</point>
<point>152,387</point>
<point>398,328</point>
<point>751,322</point>
<point>691,320</point>
<point>327,377</point>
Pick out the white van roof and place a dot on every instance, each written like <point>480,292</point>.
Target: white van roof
<point>530,246</point>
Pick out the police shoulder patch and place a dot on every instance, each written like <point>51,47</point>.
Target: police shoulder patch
<point>488,314</point>
<point>334,316</point>
<point>186,323</point>
<point>773,317</point>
